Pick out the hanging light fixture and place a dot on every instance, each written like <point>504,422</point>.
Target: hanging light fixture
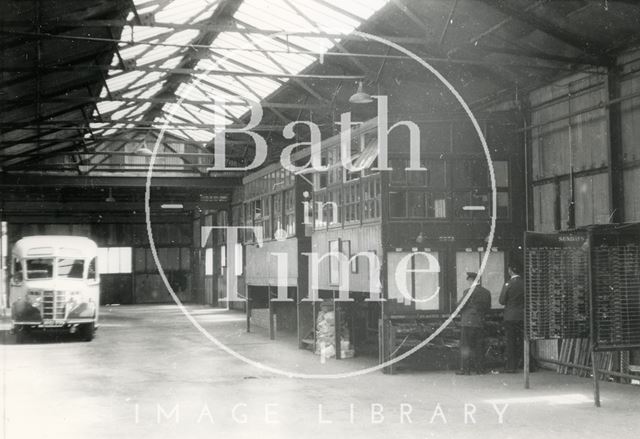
<point>360,97</point>
<point>110,198</point>
<point>143,150</point>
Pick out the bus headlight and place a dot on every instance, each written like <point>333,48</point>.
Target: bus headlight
<point>83,310</point>
<point>34,298</point>
<point>23,310</point>
<point>73,299</point>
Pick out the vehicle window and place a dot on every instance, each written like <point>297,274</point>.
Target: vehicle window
<point>71,268</point>
<point>92,274</point>
<point>17,270</point>
<point>40,268</point>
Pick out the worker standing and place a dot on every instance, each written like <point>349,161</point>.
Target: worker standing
<point>472,327</point>
<point>512,297</point>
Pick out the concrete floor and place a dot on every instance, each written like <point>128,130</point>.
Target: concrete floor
<point>150,374</point>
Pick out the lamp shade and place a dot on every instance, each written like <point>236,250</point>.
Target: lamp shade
<point>144,151</point>
<point>360,97</point>
<point>110,198</point>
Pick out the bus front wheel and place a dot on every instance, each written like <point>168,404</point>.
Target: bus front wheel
<point>87,331</point>
<point>22,334</point>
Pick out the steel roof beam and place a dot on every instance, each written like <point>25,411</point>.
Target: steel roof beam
<point>42,120</point>
<point>364,69</point>
<point>194,166</point>
<point>102,163</point>
<point>225,9</point>
<point>20,160</point>
<point>89,99</point>
<point>184,71</point>
<point>119,153</point>
<point>217,28</point>
<point>157,124</point>
<point>38,206</point>
<point>205,183</point>
<point>533,53</point>
<point>474,41</point>
<point>553,29</point>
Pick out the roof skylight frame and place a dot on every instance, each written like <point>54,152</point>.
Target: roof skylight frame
<point>329,12</point>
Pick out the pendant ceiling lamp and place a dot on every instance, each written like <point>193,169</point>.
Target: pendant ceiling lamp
<point>360,97</point>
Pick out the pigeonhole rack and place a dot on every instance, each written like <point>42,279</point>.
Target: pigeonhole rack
<point>584,283</point>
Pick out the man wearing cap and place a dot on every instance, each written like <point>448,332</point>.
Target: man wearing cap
<point>512,297</point>
<point>472,325</point>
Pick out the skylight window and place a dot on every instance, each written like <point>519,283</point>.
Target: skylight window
<point>135,87</point>
<point>124,80</point>
<point>185,11</point>
<point>161,48</point>
<point>105,107</point>
<point>143,33</point>
<point>148,93</point>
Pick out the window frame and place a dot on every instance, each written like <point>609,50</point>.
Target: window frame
<point>277,212</point>
<point>17,262</point>
<point>289,207</point>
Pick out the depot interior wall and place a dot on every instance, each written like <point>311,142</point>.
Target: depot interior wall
<point>348,240</point>
<point>563,145</point>
<point>208,257</point>
<point>135,280</point>
<point>263,264</point>
<point>630,135</point>
<point>570,153</point>
<point>271,202</point>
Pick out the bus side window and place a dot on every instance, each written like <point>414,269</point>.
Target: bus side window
<point>17,271</point>
<point>92,273</point>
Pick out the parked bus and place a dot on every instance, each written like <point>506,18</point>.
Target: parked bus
<point>55,285</point>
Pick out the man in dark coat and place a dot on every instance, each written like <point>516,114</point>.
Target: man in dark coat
<point>512,297</point>
<point>472,325</point>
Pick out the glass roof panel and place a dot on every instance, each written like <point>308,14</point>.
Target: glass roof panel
<point>135,87</point>
<point>120,81</point>
<point>139,110</point>
<point>152,90</point>
<point>184,11</point>
<point>104,107</point>
<point>171,63</point>
<point>143,33</point>
<point>230,51</point>
<point>157,54</point>
<point>129,52</point>
<point>124,111</point>
<point>325,18</point>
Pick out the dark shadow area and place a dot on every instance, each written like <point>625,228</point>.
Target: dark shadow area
<point>39,337</point>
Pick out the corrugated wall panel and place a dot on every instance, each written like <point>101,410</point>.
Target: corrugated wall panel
<point>632,194</point>
<point>362,239</point>
<point>550,142</point>
<point>630,119</point>
<point>262,264</point>
<point>547,349</point>
<point>589,132</point>
<point>579,141</point>
<point>543,205</point>
<point>565,201</point>
<point>208,290</point>
<point>592,199</point>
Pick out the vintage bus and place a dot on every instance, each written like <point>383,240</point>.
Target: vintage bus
<point>55,285</point>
